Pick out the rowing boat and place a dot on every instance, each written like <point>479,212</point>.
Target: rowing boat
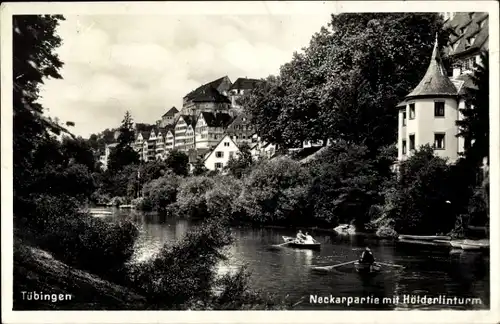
<point>424,238</point>
<point>367,268</point>
<point>292,242</point>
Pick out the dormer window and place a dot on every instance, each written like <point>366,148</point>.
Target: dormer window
<point>462,30</point>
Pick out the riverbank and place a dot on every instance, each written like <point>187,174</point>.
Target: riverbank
<point>36,270</point>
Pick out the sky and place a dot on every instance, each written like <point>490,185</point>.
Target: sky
<point>145,63</point>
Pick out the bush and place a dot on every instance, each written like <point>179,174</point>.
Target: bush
<point>419,201</point>
<point>186,272</point>
<point>275,192</point>
<point>191,199</point>
<point>220,199</point>
<point>160,193</point>
<point>81,240</point>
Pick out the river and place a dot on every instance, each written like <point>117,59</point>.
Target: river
<point>286,272</point>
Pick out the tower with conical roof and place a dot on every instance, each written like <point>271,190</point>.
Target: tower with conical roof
<point>429,113</point>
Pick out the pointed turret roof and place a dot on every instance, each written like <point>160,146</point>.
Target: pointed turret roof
<point>435,81</point>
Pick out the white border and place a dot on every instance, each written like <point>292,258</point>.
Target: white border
<point>228,8</point>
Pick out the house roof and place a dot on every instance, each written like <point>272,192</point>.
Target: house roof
<point>171,112</point>
<point>466,33</point>
<point>245,84</point>
<point>188,119</point>
<point>216,120</point>
<point>214,84</point>
<point>241,119</point>
<point>212,151</point>
<point>210,94</point>
<point>435,81</point>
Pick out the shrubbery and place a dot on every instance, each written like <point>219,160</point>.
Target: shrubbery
<point>78,239</point>
<point>159,193</point>
<point>275,191</point>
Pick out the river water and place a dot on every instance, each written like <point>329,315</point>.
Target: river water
<point>286,272</point>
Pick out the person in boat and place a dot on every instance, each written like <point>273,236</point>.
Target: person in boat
<point>367,257</point>
<point>308,239</point>
<point>300,237</point>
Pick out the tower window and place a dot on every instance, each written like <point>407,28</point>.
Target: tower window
<point>404,118</point>
<point>412,111</point>
<point>439,109</point>
<point>439,141</point>
<point>412,142</point>
<point>404,147</point>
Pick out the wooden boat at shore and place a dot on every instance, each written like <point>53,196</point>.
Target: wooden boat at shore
<point>292,242</point>
<point>365,268</point>
<point>424,237</point>
<point>470,245</point>
<point>126,206</point>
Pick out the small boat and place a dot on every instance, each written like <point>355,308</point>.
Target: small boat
<point>367,268</point>
<point>424,238</point>
<point>345,229</point>
<point>457,244</point>
<point>292,242</point>
<point>126,206</point>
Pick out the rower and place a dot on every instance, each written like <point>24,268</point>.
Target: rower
<point>300,237</point>
<point>308,239</point>
<point>367,256</point>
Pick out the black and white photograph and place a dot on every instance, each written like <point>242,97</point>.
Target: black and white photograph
<point>250,156</point>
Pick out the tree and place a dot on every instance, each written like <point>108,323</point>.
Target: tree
<point>34,59</point>
<point>239,165</point>
<point>420,199</point>
<point>347,81</point>
<point>346,182</point>
<point>178,162</point>
<point>123,154</point>
<point>199,167</point>
<point>475,127</point>
<point>78,151</point>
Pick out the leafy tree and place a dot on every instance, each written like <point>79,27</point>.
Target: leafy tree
<point>239,165</point>
<point>178,162</point>
<point>474,127</point>
<point>34,59</point>
<point>79,151</point>
<point>347,182</point>
<point>420,203</point>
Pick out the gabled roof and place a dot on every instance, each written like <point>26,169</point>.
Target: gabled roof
<point>214,84</point>
<point>241,119</point>
<point>210,94</point>
<point>435,81</point>
<point>467,34</point>
<point>245,84</point>
<point>188,119</point>
<point>171,112</point>
<point>213,151</point>
<point>215,120</point>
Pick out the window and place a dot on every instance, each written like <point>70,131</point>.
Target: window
<point>439,141</point>
<point>219,154</point>
<point>412,142</point>
<point>231,154</point>
<point>226,143</point>
<point>218,165</point>
<point>412,111</point>
<point>404,147</point>
<point>404,118</point>
<point>438,109</point>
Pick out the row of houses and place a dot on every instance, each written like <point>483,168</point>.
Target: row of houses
<point>211,126</point>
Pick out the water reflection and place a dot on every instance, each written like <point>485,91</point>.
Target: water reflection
<point>287,271</point>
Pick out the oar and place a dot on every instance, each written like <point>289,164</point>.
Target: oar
<point>281,244</point>
<point>335,265</point>
<point>390,264</point>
